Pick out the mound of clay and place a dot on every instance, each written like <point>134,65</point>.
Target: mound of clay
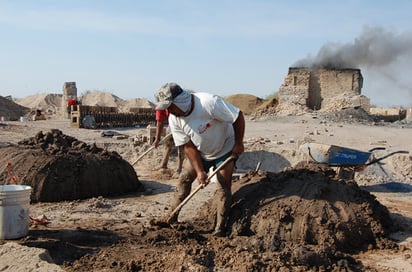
<point>298,220</point>
<point>305,216</point>
<point>247,103</point>
<point>11,110</point>
<point>60,167</point>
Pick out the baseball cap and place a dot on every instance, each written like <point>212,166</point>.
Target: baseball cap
<point>165,95</point>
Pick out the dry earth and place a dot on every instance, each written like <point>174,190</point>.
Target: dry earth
<point>115,233</point>
<point>289,215</point>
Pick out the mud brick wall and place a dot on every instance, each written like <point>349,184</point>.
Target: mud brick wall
<point>389,114</point>
<point>69,93</point>
<point>107,117</point>
<point>295,88</point>
<point>329,83</point>
<point>314,86</point>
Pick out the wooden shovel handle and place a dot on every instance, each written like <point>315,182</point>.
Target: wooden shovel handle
<point>151,148</point>
<point>178,208</point>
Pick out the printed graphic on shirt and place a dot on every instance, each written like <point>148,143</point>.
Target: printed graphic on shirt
<point>203,127</point>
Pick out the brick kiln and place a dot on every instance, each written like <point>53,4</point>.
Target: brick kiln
<point>323,89</point>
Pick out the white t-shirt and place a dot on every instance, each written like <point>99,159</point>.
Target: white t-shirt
<point>209,126</point>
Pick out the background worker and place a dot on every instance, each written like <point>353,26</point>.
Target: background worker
<point>211,130</point>
<point>161,117</point>
<point>70,103</point>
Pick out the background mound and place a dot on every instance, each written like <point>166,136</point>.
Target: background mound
<point>102,99</point>
<point>11,110</point>
<point>247,103</point>
<point>60,167</point>
<point>49,103</point>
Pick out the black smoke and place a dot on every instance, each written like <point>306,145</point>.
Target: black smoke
<point>385,58</point>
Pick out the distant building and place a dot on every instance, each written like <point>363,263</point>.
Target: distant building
<point>69,93</point>
<point>323,89</point>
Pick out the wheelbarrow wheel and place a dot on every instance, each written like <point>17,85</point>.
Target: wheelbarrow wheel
<point>346,173</point>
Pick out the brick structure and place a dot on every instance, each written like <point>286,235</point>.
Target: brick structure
<point>318,89</point>
<point>69,93</point>
<point>107,117</point>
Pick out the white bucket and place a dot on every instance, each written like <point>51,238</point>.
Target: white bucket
<point>14,211</point>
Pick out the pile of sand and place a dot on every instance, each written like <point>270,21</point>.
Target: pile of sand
<point>47,103</point>
<point>106,99</point>
<point>102,99</point>
<point>247,103</point>
<point>10,110</point>
<point>129,105</point>
<point>51,103</point>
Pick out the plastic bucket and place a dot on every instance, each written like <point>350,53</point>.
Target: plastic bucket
<point>14,211</point>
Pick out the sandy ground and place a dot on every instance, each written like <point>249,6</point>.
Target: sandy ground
<point>271,143</point>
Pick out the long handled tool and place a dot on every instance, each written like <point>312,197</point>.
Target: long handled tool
<point>178,208</point>
<point>151,148</point>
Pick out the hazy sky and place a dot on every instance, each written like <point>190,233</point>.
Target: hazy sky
<point>131,48</point>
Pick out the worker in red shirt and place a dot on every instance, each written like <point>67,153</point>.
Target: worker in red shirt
<point>71,103</point>
<point>161,117</point>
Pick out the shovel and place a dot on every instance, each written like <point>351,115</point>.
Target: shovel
<point>151,148</point>
<point>178,208</point>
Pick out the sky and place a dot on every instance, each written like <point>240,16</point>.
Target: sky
<point>131,48</point>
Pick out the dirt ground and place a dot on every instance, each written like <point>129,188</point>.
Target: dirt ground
<point>286,215</point>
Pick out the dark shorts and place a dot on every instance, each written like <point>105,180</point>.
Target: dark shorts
<point>216,162</point>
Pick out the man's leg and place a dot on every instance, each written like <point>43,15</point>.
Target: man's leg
<point>181,157</point>
<point>224,199</point>
<point>184,187</point>
<point>166,153</point>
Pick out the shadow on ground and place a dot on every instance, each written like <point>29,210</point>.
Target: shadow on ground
<point>75,243</point>
<point>389,187</point>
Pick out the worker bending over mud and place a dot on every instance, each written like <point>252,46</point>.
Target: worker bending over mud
<point>211,130</point>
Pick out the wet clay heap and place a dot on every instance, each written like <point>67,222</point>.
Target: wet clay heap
<point>60,167</point>
<point>302,219</point>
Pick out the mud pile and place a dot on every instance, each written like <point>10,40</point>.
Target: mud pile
<point>304,216</point>
<point>60,167</point>
<point>301,219</point>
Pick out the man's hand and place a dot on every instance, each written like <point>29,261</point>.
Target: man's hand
<point>202,178</point>
<point>238,149</point>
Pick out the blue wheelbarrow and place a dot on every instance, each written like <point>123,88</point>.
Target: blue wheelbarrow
<point>342,157</point>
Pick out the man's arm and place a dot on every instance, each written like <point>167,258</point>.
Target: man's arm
<point>161,116</point>
<point>239,128</point>
<point>159,130</point>
<point>193,155</point>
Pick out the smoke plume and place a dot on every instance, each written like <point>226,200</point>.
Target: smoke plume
<point>384,58</point>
